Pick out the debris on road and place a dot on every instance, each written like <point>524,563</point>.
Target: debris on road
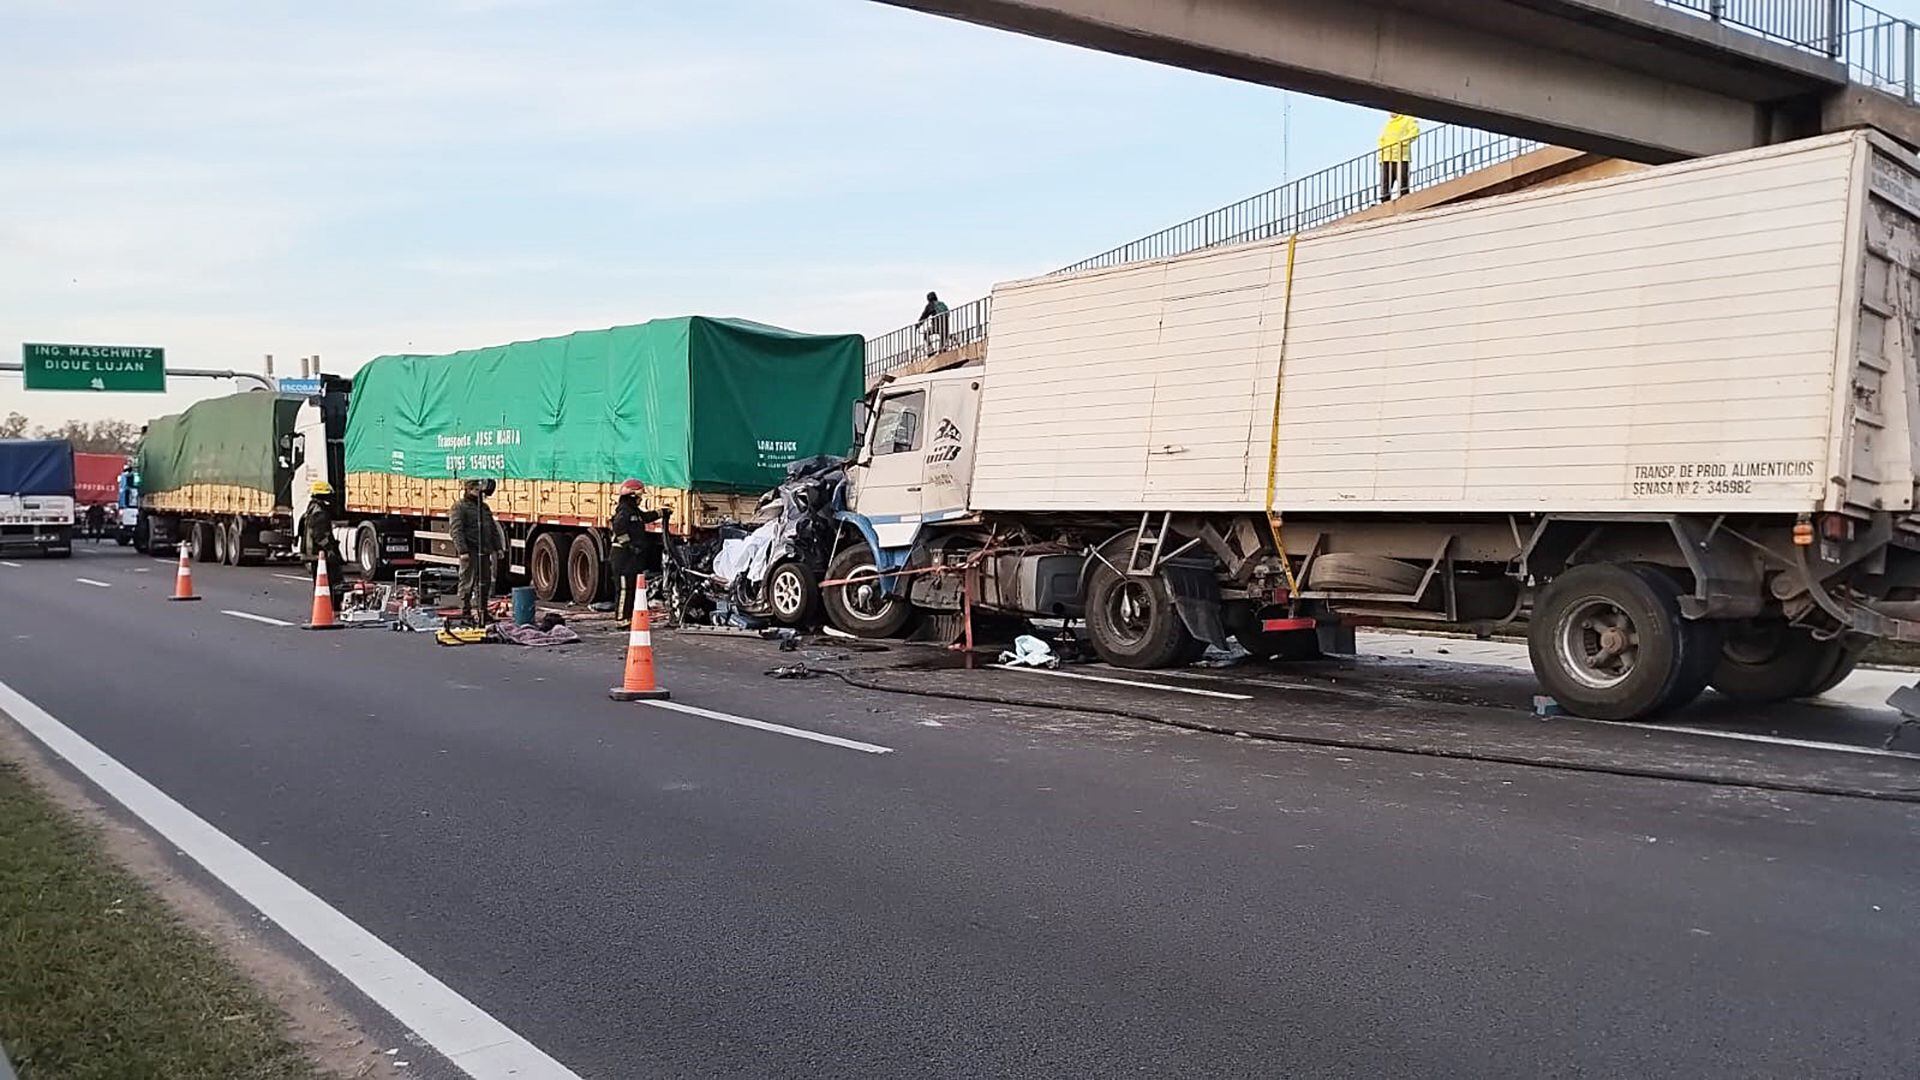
<point>1029,651</point>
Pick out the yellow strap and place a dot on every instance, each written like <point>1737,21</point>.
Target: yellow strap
<point>1273,438</point>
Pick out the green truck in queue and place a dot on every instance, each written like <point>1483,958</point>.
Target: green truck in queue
<point>707,412</point>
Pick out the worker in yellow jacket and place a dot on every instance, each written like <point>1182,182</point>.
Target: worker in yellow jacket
<point>1396,154</point>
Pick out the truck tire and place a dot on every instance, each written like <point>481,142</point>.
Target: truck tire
<point>226,543</point>
<point>1699,642</point>
<point>368,556</point>
<point>200,542</point>
<point>1763,660</point>
<point>1607,642</point>
<point>584,577</point>
<point>143,534</point>
<point>1344,572</point>
<point>545,569</point>
<point>1846,658</point>
<point>1132,620</point>
<point>860,608</point>
<point>793,593</point>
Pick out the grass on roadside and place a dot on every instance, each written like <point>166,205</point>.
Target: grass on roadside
<point>99,980</point>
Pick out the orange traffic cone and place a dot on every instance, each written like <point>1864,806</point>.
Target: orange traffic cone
<point>183,578</point>
<point>322,617</point>
<point>639,684</point>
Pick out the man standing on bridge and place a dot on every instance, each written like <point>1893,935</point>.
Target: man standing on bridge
<point>1396,154</point>
<point>477,541</point>
<point>933,323</point>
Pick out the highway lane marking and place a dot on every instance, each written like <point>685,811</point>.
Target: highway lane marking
<point>255,618</point>
<point>95,584</point>
<point>15,565</point>
<point>1776,740</point>
<point>293,577</point>
<point>778,729</point>
<point>1126,682</point>
<point>477,1043</point>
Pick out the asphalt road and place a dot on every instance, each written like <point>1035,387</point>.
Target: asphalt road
<point>1011,892</point>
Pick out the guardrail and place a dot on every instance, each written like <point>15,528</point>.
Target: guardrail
<point>1439,154</point>
<point>1878,48</point>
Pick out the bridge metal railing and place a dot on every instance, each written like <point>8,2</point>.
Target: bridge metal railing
<point>1879,49</point>
<point>1440,153</point>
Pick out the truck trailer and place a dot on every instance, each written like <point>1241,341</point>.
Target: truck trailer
<point>36,496</point>
<point>706,412</point>
<point>1666,420</point>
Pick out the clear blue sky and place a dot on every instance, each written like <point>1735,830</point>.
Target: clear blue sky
<point>352,178</point>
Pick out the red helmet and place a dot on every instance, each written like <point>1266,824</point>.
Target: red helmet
<point>632,487</point>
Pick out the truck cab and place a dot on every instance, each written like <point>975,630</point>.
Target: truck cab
<point>914,467</point>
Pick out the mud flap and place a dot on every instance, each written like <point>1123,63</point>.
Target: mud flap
<point>1196,596</point>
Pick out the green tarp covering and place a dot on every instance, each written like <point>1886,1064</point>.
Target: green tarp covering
<point>699,403</point>
<point>231,440</point>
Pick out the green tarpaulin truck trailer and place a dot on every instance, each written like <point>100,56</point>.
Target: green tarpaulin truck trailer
<point>706,412</point>
<point>217,477</point>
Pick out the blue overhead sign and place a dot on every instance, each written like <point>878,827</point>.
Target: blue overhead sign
<point>308,387</point>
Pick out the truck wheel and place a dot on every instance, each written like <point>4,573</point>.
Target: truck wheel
<point>544,568</point>
<point>860,608</point>
<point>1607,641</point>
<point>583,569</point>
<point>1764,660</point>
<point>230,535</point>
<point>1845,659</point>
<point>1699,641</point>
<point>200,543</point>
<point>792,593</point>
<point>368,555</point>
<point>1132,620</point>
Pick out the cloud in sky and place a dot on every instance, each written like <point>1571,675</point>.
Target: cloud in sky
<point>229,179</point>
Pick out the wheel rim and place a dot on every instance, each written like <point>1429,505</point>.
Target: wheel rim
<point>862,594</point>
<point>786,592</point>
<point>546,566</point>
<point>369,554</point>
<point>1130,611</point>
<point>1598,642</point>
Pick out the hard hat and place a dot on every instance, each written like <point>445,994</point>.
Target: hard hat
<point>321,487</point>
<point>632,487</point>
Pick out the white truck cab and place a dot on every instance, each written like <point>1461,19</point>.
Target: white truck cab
<point>915,465</point>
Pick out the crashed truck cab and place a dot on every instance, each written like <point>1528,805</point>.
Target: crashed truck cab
<point>909,540</point>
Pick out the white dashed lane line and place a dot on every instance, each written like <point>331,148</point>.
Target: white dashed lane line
<point>251,617</point>
<point>95,584</point>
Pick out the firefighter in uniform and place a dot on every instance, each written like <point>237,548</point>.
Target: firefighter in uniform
<point>317,540</point>
<point>633,545</point>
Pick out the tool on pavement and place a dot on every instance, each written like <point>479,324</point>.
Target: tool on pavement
<point>322,617</point>
<point>183,578</point>
<point>639,683</point>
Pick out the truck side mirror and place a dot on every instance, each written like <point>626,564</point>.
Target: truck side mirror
<point>862,416</point>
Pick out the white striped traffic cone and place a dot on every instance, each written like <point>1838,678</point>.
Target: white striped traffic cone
<point>183,578</point>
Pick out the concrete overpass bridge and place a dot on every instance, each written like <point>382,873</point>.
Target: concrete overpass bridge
<point>1647,80</point>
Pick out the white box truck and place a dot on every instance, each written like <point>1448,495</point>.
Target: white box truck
<point>1667,419</point>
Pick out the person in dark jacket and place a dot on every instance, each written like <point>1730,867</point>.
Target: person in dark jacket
<point>96,521</point>
<point>317,540</point>
<point>933,323</point>
<point>477,541</point>
<point>634,548</point>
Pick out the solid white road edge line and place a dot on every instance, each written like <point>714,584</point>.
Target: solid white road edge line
<point>1125,682</point>
<point>1743,736</point>
<point>778,729</point>
<point>481,1046</point>
<point>255,618</point>
<point>95,584</point>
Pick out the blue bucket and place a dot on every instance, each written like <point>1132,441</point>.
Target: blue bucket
<point>523,605</point>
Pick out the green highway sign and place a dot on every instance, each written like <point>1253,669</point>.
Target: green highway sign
<point>123,368</point>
